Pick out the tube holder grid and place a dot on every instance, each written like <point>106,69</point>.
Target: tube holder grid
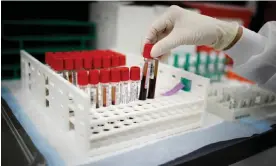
<point>113,128</point>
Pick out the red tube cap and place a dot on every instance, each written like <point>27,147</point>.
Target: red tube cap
<point>115,75</point>
<point>104,75</point>
<point>135,73</point>
<point>58,64</point>
<point>115,61</point>
<point>147,50</point>
<point>78,63</point>
<point>97,60</point>
<point>82,77</point>
<point>122,59</point>
<point>106,60</point>
<point>87,61</point>
<point>48,56</point>
<point>124,73</point>
<point>68,63</point>
<point>94,77</point>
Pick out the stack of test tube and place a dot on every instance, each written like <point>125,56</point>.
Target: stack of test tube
<point>67,64</point>
<point>99,73</point>
<point>110,86</point>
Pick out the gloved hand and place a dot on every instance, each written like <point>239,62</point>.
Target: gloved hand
<point>178,26</point>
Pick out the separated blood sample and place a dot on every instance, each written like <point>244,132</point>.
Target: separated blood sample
<point>94,78</point>
<point>83,81</point>
<point>115,86</point>
<point>57,65</point>
<point>105,87</point>
<point>152,79</point>
<point>146,71</point>
<point>135,82</point>
<point>78,65</point>
<point>69,67</point>
<point>124,85</point>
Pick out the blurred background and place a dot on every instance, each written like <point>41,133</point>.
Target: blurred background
<point>61,26</point>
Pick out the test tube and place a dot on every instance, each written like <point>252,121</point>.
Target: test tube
<point>87,63</point>
<point>105,87</point>
<point>48,56</point>
<point>135,82</point>
<point>97,61</point>
<point>57,65</point>
<point>115,86</point>
<point>69,66</point>
<point>153,77</point>
<point>78,65</point>
<point>106,60</point>
<point>124,85</point>
<point>94,77</point>
<point>83,81</point>
<point>115,60</point>
<point>146,72</point>
<point>122,60</point>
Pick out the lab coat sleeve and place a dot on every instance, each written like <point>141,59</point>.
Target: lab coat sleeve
<point>254,56</point>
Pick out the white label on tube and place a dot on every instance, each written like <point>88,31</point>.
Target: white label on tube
<point>93,93</point>
<point>147,76</point>
<point>152,67</point>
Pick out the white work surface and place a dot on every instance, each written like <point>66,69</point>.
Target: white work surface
<point>57,150</point>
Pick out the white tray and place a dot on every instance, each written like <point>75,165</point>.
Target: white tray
<point>141,121</point>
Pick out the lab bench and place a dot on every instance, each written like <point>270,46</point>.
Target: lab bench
<point>218,143</point>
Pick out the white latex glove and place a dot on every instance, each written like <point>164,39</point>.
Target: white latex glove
<point>178,26</point>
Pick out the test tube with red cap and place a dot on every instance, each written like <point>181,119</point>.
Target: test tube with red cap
<point>87,64</point>
<point>146,72</point>
<point>115,60</point>
<point>124,85</point>
<point>57,65</point>
<point>83,81</point>
<point>97,60</point>
<point>115,85</point>
<point>135,82</point>
<point>105,87</point>
<point>122,60</point>
<point>94,79</point>
<point>106,60</point>
<point>78,65</point>
<point>48,56</point>
<point>69,67</point>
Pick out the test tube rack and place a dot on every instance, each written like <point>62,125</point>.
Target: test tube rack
<point>109,129</point>
<point>239,100</point>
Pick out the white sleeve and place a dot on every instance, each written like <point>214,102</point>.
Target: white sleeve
<point>254,56</point>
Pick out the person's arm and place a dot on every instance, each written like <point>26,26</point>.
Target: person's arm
<point>254,55</point>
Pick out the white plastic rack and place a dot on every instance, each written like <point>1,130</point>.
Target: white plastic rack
<point>235,101</point>
<point>113,128</point>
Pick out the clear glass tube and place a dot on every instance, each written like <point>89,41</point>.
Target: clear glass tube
<point>68,75</point>
<point>74,77</point>
<point>85,89</point>
<point>124,92</point>
<point>106,99</point>
<point>134,90</point>
<point>94,96</point>
<point>60,73</point>
<point>115,93</point>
